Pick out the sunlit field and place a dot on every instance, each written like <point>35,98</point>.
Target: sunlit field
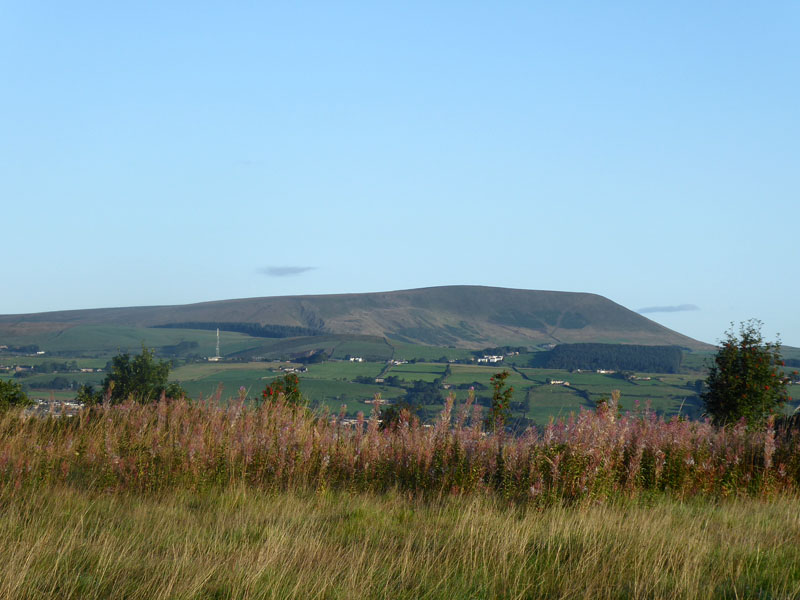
<point>175,499</point>
<point>239,542</point>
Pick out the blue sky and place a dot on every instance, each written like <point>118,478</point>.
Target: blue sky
<point>173,152</point>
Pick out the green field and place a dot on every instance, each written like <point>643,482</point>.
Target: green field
<point>465,374</point>
<point>327,384</point>
<point>87,363</point>
<point>696,361</point>
<point>335,393</point>
<point>427,372</point>
<point>107,340</point>
<point>81,378</point>
<point>405,351</point>
<point>202,370</point>
<point>519,360</point>
<point>373,350</point>
<point>343,370</point>
<point>335,346</point>
<point>332,382</point>
<point>553,401</point>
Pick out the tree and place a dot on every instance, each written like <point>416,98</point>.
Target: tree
<point>422,393</point>
<point>86,394</point>
<point>746,379</point>
<point>287,387</point>
<point>141,377</point>
<point>501,402</point>
<point>393,415</point>
<point>11,394</point>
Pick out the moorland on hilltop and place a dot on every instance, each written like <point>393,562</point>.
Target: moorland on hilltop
<point>458,316</point>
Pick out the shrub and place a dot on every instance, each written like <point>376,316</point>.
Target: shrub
<point>501,401</point>
<point>286,387</point>
<point>746,380</point>
<point>141,377</point>
<point>11,394</point>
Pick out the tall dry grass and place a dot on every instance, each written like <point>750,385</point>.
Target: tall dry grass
<point>239,542</point>
<point>594,455</point>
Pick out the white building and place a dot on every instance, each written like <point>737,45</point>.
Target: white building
<point>490,358</point>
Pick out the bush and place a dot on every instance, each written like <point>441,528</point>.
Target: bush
<point>746,380</point>
<point>11,394</point>
<point>500,411</point>
<point>142,377</point>
<point>287,387</point>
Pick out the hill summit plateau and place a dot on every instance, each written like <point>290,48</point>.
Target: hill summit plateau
<point>461,316</point>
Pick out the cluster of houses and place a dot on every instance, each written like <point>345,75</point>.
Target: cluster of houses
<point>4,347</point>
<point>490,358</point>
<point>52,408</point>
<point>28,368</point>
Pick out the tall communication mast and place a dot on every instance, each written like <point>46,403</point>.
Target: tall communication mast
<point>217,357</point>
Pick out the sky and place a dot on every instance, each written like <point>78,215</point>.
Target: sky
<point>176,152</point>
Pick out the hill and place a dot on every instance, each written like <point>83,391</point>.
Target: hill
<point>460,316</point>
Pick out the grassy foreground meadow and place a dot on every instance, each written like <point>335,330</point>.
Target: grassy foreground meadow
<point>239,542</point>
<point>175,499</point>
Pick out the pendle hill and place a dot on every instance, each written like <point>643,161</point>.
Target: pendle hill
<point>457,316</point>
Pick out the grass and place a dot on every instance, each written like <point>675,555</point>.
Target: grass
<point>554,402</point>
<point>240,543</point>
<point>463,374</point>
<point>200,500</point>
<point>326,384</point>
<point>333,394</point>
<point>343,370</point>
<point>230,381</point>
<point>338,346</point>
<point>665,393</point>
<point>404,351</point>
<point>696,361</point>
<point>420,367</point>
<point>81,378</point>
<point>371,350</point>
<point>204,370</point>
<point>93,363</point>
<point>111,339</point>
<point>427,372</point>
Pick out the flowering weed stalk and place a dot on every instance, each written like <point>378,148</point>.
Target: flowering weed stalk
<point>593,455</point>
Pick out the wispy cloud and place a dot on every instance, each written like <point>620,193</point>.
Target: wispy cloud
<point>284,271</point>
<point>667,309</point>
